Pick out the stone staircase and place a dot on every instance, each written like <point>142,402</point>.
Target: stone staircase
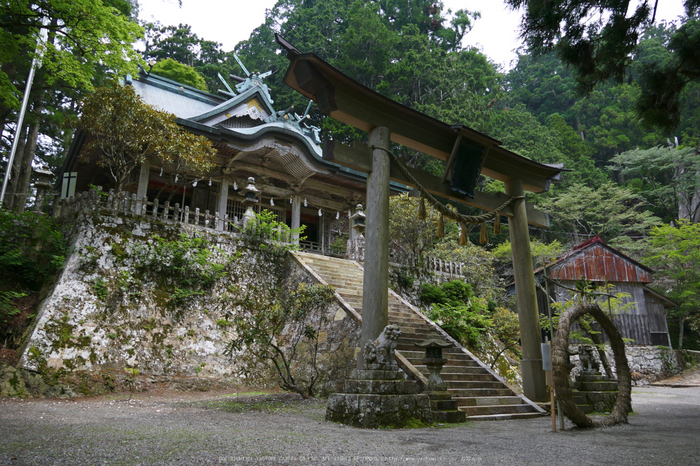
<point>481,393</point>
<point>594,392</point>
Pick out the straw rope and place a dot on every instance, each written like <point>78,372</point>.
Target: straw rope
<point>442,208</point>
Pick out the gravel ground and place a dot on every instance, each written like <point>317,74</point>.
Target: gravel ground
<point>176,428</point>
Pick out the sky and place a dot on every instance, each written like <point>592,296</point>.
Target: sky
<point>231,21</point>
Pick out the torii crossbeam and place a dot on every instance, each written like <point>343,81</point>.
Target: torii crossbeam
<point>467,153</point>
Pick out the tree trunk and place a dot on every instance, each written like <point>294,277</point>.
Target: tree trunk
<point>680,331</point>
<point>25,174</point>
<point>13,183</point>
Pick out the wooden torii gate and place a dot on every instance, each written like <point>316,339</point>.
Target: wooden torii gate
<point>467,154</point>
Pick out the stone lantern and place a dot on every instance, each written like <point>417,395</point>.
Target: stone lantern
<point>250,198</point>
<point>444,408</point>
<point>358,220</point>
<point>42,185</point>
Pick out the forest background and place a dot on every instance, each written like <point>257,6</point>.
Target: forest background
<point>635,176</point>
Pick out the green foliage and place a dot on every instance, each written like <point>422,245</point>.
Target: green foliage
<point>188,262</point>
<point>183,74</point>
<point>601,50</point>
<point>506,326</point>
<point>454,293</point>
<point>281,326</point>
<point>182,296</point>
<point>454,307</point>
<point>8,309</point>
<point>465,324</point>
<point>669,179</point>
<point>84,36</point>
<point>180,44</point>
<point>32,249</point>
<point>266,232</point>
<point>675,253</point>
<point>610,211</point>
<point>100,288</point>
<point>407,233</point>
<point>125,132</point>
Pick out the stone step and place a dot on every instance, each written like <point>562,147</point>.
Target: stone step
<point>478,392</point>
<point>402,319</point>
<point>417,356</point>
<point>505,417</point>
<point>454,384</point>
<point>420,331</point>
<point>469,373</point>
<point>592,378</point>
<point>496,409</point>
<point>585,408</point>
<point>489,400</point>
<point>456,376</point>
<point>468,392</point>
<point>596,386</point>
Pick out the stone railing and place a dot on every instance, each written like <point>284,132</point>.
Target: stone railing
<point>429,264</point>
<point>124,203</point>
<point>356,251</point>
<point>323,249</point>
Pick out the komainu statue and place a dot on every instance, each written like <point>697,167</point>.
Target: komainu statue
<point>589,364</point>
<point>379,354</point>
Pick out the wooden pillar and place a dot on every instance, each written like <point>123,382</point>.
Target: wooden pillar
<point>222,204</point>
<point>142,189</point>
<point>534,384</point>
<point>375,293</point>
<point>322,232</point>
<point>296,216</point>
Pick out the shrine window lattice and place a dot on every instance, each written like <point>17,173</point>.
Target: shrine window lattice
<point>235,210</point>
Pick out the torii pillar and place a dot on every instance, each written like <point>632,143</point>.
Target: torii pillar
<point>534,383</point>
<point>375,291</point>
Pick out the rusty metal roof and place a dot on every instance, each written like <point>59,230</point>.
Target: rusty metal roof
<point>596,261</point>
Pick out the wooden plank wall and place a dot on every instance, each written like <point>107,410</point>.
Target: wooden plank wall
<point>633,324</point>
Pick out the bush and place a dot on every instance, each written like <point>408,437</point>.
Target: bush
<point>32,249</point>
<point>455,308</point>
<point>465,324</point>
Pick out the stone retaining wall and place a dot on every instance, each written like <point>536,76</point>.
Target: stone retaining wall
<point>647,363</point>
<point>105,315</point>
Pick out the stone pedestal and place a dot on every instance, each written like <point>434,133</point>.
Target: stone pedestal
<point>597,391</point>
<point>375,398</point>
<point>444,408</point>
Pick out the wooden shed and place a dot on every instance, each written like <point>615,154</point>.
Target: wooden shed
<point>645,322</point>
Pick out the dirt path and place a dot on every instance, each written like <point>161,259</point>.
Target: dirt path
<point>688,378</point>
<point>195,428</point>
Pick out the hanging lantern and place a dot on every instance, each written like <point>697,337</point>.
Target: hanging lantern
<point>291,201</point>
<point>320,214</point>
<point>176,176</point>
<point>421,209</point>
<point>210,181</point>
<point>337,215</point>
<point>463,240</point>
<point>235,186</point>
<point>304,202</point>
<point>497,225</point>
<point>484,235</point>
<point>161,171</point>
<point>441,227</point>
<point>272,202</point>
<point>194,184</point>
